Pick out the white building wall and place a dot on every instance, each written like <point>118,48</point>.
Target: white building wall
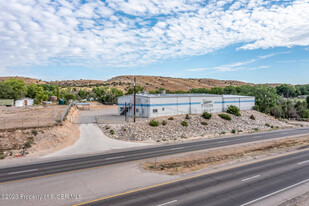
<point>147,106</point>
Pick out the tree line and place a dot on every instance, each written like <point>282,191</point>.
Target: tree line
<point>17,88</point>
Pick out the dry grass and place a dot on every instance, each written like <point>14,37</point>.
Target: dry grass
<point>197,161</point>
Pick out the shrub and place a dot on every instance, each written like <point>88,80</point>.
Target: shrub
<point>206,115</point>
<point>2,157</point>
<point>164,139</point>
<point>252,117</point>
<point>34,132</point>
<point>256,129</point>
<point>204,123</point>
<point>234,110</point>
<point>306,114</point>
<point>184,123</point>
<point>153,123</point>
<point>171,118</point>
<point>27,144</point>
<point>272,126</point>
<point>223,132</point>
<point>187,116</point>
<point>112,132</point>
<point>240,131</point>
<point>164,122</point>
<point>183,137</point>
<point>233,131</point>
<point>225,116</point>
<point>158,140</point>
<point>267,125</point>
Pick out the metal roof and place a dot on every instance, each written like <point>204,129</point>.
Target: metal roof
<point>186,95</point>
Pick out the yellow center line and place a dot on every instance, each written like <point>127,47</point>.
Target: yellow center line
<point>187,178</point>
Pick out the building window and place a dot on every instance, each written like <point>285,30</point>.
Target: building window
<point>155,111</point>
<point>137,110</point>
<point>121,109</point>
<point>162,109</point>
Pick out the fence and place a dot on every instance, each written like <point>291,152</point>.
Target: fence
<point>27,122</point>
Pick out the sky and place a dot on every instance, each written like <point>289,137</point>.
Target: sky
<point>258,41</point>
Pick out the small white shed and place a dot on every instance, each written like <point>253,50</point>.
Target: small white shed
<point>24,102</point>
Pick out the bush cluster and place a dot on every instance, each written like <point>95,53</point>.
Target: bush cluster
<point>234,110</point>
<point>164,122</point>
<point>184,123</point>
<point>206,115</point>
<point>204,123</point>
<point>171,118</point>
<point>154,123</point>
<point>225,116</point>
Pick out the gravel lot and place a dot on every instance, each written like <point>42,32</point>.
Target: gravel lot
<point>173,130</point>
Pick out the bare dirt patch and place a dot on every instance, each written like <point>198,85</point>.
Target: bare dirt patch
<point>32,116</point>
<point>39,141</point>
<point>200,160</point>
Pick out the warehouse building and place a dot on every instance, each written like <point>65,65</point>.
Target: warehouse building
<point>156,105</point>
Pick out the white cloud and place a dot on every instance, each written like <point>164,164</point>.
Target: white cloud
<point>238,65</point>
<point>124,33</point>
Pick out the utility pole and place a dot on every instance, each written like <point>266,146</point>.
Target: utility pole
<point>265,103</point>
<point>134,92</point>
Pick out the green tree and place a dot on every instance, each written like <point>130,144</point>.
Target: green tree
<point>32,90</point>
<point>287,91</point>
<point>13,89</point>
<point>138,89</point>
<point>83,93</point>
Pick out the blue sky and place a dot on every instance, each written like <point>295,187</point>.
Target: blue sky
<point>257,41</point>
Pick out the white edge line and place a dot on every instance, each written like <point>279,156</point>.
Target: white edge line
<point>250,178</point>
<point>303,162</point>
<point>177,148</point>
<point>168,203</point>
<point>248,203</point>
<point>223,141</point>
<point>11,173</point>
<point>111,158</point>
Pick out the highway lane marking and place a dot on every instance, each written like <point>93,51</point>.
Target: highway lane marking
<point>11,173</point>
<point>112,158</point>
<point>187,178</point>
<point>167,203</point>
<point>289,187</point>
<point>250,178</point>
<point>300,163</point>
<point>223,141</point>
<point>177,148</point>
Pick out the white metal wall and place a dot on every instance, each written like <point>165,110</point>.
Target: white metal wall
<point>170,106</point>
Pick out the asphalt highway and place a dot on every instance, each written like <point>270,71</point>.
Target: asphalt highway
<point>242,186</point>
<point>74,164</point>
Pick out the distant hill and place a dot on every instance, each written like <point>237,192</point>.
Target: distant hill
<point>26,79</point>
<point>172,84</point>
<point>78,83</point>
<point>148,82</point>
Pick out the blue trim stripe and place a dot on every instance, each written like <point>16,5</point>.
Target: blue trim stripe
<point>188,103</point>
<point>243,101</point>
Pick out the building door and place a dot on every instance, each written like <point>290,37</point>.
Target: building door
<point>26,103</point>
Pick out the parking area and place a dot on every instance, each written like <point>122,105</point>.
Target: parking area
<point>105,114</point>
